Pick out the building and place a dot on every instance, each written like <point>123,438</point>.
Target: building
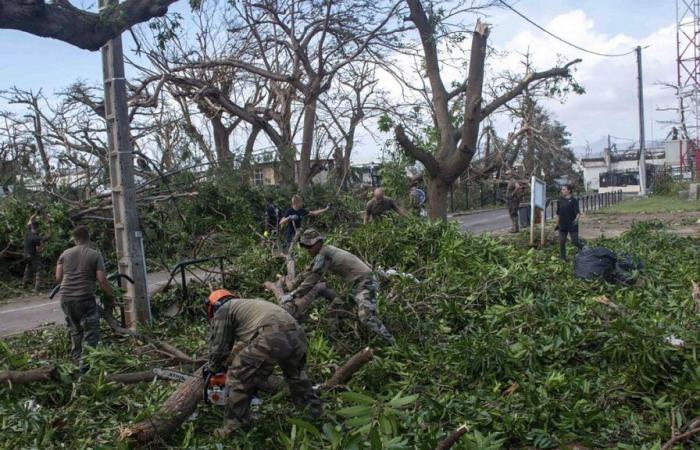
<point>266,173</point>
<point>614,170</point>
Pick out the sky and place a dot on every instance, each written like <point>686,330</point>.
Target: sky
<point>609,105</point>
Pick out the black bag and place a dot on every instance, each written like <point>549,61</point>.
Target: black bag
<point>625,267</point>
<point>598,262</point>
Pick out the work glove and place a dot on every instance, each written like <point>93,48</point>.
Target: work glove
<point>286,298</point>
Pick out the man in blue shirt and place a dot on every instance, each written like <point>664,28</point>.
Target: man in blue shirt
<point>294,216</point>
<point>568,213</point>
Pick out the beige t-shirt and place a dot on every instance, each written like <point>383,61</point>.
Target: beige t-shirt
<point>80,266</point>
<point>376,209</point>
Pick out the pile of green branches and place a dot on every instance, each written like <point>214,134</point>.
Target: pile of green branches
<point>498,338</point>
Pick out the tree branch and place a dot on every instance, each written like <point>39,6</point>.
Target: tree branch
<point>413,150</point>
<point>83,29</point>
<point>530,78</point>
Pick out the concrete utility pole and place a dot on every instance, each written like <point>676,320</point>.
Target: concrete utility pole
<point>127,232</point>
<point>642,151</point>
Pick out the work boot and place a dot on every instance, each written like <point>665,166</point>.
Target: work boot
<point>514,227</point>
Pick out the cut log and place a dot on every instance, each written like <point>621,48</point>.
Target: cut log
<point>342,375</point>
<point>132,377</point>
<point>291,273</point>
<point>696,294</point>
<point>176,409</point>
<point>452,439</point>
<point>27,376</point>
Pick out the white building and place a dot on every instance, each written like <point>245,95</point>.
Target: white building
<point>619,170</point>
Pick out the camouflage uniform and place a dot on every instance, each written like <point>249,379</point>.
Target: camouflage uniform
<point>513,199</point>
<point>32,258</point>
<point>83,321</point>
<point>257,335</point>
<point>351,269</point>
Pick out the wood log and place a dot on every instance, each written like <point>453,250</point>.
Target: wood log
<point>696,294</point>
<point>343,374</point>
<point>132,377</point>
<point>27,376</point>
<point>176,409</point>
<point>452,439</point>
<point>291,272</point>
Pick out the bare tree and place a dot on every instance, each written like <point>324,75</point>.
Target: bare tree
<point>456,145</point>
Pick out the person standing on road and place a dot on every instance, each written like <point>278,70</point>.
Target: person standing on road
<point>568,213</point>
<point>514,195</point>
<point>33,266</point>
<point>294,217</point>
<point>379,204</point>
<point>77,270</point>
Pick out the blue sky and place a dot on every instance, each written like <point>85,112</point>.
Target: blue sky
<point>609,106</point>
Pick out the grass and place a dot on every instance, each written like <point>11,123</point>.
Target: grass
<point>652,204</point>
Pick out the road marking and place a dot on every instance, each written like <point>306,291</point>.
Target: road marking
<point>56,302</point>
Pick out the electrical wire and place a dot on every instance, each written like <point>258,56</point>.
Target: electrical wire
<point>610,55</point>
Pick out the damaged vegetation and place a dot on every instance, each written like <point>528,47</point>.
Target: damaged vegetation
<point>499,346</point>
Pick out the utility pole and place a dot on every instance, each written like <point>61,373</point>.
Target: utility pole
<point>127,232</point>
<point>642,152</point>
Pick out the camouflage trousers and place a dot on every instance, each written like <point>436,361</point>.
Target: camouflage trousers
<point>365,294</point>
<point>283,345</point>
<point>83,321</point>
<point>32,269</point>
<point>513,212</point>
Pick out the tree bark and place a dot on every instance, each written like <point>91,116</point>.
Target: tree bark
<point>343,374</point>
<point>222,145</point>
<point>176,409</point>
<point>247,162</point>
<point>452,439</point>
<point>307,145</point>
<point>437,198</point>
<point>61,20</point>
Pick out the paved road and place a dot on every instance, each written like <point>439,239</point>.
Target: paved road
<point>35,311</point>
<point>484,221</point>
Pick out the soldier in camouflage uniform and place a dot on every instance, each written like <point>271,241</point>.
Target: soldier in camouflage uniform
<point>514,194</point>
<point>250,337</point>
<point>351,269</point>
<point>32,254</point>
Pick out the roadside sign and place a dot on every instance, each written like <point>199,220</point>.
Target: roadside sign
<point>538,199</point>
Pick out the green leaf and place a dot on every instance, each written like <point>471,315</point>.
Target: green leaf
<point>306,426</point>
<point>358,398</point>
<point>401,402</point>
<point>354,411</point>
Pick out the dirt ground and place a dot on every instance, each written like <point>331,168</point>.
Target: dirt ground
<point>610,225</point>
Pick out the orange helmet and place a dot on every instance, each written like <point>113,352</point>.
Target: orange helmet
<point>216,300</point>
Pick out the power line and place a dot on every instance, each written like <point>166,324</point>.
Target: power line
<point>612,55</point>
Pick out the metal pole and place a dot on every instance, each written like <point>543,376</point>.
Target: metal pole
<point>121,172</point>
<point>642,151</point>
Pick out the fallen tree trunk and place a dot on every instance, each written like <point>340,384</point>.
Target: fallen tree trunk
<point>176,409</point>
<point>182,403</point>
<point>27,376</point>
<point>299,306</point>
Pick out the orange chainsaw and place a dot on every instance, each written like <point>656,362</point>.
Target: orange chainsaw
<point>215,389</point>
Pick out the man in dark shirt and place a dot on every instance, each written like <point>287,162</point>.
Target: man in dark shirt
<point>32,254</point>
<point>567,219</point>
<point>272,216</point>
<point>294,217</point>
<point>514,195</point>
<point>78,269</point>
<point>380,205</point>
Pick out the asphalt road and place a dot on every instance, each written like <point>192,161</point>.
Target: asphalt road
<point>483,221</point>
<point>36,311</point>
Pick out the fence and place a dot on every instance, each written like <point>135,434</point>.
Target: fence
<point>586,203</point>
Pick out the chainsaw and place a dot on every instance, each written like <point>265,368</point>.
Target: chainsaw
<point>215,389</point>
